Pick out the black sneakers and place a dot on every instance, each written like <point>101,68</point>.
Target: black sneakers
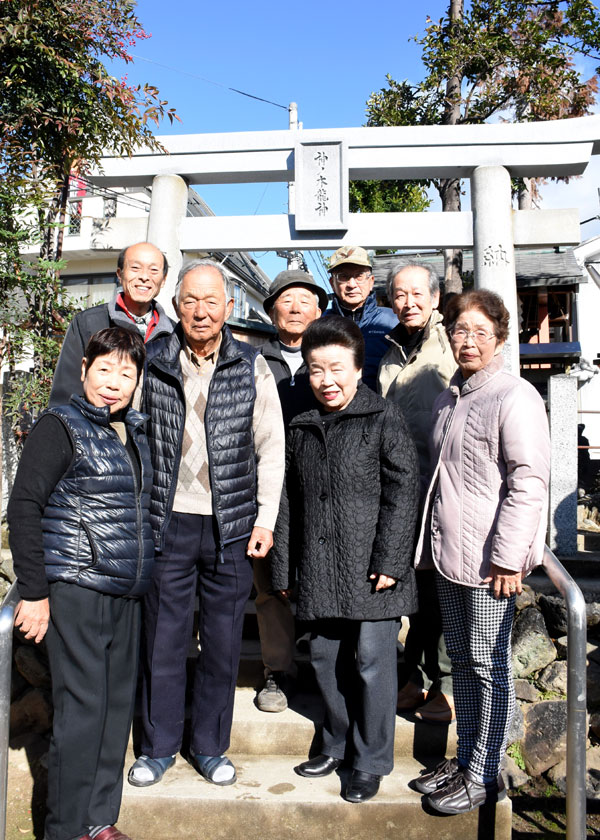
<point>438,777</point>
<point>463,793</point>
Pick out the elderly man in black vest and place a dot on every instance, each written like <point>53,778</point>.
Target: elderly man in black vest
<point>217,444</point>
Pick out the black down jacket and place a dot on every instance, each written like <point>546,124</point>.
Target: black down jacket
<point>96,523</point>
<point>228,426</point>
<point>348,510</point>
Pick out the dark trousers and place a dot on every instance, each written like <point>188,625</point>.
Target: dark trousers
<point>276,625</point>
<point>92,643</point>
<point>426,661</point>
<point>189,561</point>
<point>355,667</point>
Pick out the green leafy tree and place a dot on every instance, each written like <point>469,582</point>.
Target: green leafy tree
<point>60,110</point>
<point>502,59</point>
<point>388,197</point>
<point>392,196</point>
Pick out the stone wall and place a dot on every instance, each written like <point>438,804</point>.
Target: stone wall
<point>537,742</point>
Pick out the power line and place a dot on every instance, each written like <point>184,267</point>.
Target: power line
<point>106,192</point>
<point>210,81</point>
<point>261,198</point>
<point>319,267</point>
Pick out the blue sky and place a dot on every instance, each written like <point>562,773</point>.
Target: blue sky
<point>326,57</point>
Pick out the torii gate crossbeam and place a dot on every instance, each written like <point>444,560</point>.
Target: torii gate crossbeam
<point>320,164</point>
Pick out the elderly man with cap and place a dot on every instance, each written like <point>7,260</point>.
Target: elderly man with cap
<point>294,302</point>
<point>141,272</point>
<point>414,371</point>
<point>351,278</point>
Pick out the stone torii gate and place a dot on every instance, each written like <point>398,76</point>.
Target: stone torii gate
<point>320,163</point>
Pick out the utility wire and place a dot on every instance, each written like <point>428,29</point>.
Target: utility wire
<point>210,81</point>
<point>105,192</point>
<point>261,198</point>
<point>319,268</point>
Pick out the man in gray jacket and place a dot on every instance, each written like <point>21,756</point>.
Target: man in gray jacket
<point>141,271</point>
<point>416,368</point>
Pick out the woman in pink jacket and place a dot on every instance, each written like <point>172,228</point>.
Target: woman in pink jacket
<point>484,530</point>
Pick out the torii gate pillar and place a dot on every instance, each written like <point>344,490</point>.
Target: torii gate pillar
<point>168,207</point>
<point>493,246</point>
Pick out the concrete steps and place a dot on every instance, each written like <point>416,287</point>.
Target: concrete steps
<point>293,732</point>
<point>270,802</point>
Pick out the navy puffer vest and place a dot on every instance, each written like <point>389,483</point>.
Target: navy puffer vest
<point>96,524</point>
<point>229,436</point>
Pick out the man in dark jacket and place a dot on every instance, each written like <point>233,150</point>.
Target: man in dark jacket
<point>351,278</point>
<point>217,445</point>
<point>141,271</point>
<point>294,302</point>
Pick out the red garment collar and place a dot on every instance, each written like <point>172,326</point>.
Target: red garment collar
<point>151,324</point>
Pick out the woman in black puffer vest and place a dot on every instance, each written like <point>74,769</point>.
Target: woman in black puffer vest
<point>345,535</point>
<point>83,551</point>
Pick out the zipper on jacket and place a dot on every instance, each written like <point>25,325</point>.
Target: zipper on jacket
<point>88,534</point>
<point>431,492</point>
<point>221,546</point>
<point>218,366</point>
<point>177,461</point>
<point>331,528</point>
<point>138,507</point>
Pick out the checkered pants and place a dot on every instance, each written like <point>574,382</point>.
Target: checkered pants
<point>477,630</point>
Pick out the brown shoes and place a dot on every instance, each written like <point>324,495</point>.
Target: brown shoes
<point>432,707</point>
<point>440,709</point>
<point>410,697</point>
<point>110,833</point>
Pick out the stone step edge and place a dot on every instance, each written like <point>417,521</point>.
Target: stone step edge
<point>293,730</point>
<point>271,778</point>
<point>269,802</point>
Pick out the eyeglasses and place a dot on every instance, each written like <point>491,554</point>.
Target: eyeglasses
<point>460,335</point>
<point>359,278</point>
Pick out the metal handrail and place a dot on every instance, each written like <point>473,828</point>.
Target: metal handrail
<point>576,694</point>
<point>7,615</point>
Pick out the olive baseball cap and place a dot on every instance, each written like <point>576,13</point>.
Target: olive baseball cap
<point>349,254</point>
<point>294,277</point>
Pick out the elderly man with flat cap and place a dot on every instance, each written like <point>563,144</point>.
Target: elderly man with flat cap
<point>294,301</point>
<point>351,278</point>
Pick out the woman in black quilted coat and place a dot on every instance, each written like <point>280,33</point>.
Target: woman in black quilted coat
<point>345,534</point>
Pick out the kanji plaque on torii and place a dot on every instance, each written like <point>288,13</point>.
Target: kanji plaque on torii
<point>321,186</point>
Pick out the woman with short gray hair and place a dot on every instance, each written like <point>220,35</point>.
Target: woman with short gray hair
<point>483,531</point>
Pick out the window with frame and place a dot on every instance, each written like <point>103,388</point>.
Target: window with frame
<point>239,301</point>
<point>90,289</point>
